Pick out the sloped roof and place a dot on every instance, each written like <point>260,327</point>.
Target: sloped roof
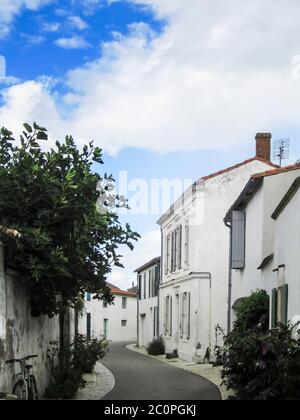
<point>119,292</point>
<point>238,165</point>
<point>149,264</point>
<point>287,199</point>
<point>253,186</point>
<point>218,173</point>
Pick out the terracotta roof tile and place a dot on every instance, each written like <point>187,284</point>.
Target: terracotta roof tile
<point>238,165</point>
<point>276,171</point>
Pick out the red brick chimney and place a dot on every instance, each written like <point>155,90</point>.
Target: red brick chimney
<point>263,146</point>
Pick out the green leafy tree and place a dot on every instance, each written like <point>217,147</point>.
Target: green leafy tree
<point>61,242</point>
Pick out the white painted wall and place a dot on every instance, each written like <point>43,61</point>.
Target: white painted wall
<point>209,253</point>
<point>287,247</point>
<point>115,314</point>
<point>20,333</point>
<point>260,238</point>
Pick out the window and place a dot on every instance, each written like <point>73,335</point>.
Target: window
<point>88,297</point>
<point>238,240</point>
<point>104,305</point>
<point>124,302</point>
<point>88,326</point>
<point>280,306</point>
<point>176,249</point>
<point>124,323</point>
<point>186,243</point>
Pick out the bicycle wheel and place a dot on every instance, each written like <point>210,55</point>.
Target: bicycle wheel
<point>32,389</point>
<point>20,391</point>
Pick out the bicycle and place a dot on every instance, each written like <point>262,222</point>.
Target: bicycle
<point>26,387</point>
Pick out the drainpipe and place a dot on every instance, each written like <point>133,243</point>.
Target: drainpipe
<point>229,280</point>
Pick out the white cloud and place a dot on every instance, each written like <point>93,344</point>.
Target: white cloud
<point>51,26</point>
<point>148,247</point>
<point>77,22</point>
<point>216,74</point>
<point>72,43</point>
<point>10,8</point>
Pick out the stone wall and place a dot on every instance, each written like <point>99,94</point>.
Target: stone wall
<point>20,333</point>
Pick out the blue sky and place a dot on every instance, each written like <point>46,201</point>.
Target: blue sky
<point>168,88</point>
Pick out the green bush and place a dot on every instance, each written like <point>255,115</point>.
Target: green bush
<point>68,366</point>
<point>259,364</point>
<point>66,378</point>
<point>88,353</point>
<point>156,347</point>
<point>263,366</point>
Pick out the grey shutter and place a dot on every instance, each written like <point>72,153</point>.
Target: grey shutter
<point>188,332</point>
<point>274,309</point>
<point>150,282</point>
<point>180,248</point>
<point>166,259</point>
<point>157,279</point>
<point>140,287</point>
<point>172,252</point>
<point>238,239</point>
<point>165,316</point>
<point>284,304</point>
<point>171,316</point>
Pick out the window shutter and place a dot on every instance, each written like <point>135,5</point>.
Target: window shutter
<point>284,304</point>
<point>150,282</point>
<point>171,316</point>
<point>175,249</point>
<point>166,316</point>
<point>188,333</point>
<point>166,260</point>
<point>180,248</point>
<point>157,279</point>
<point>172,252</point>
<point>274,309</point>
<point>186,242</point>
<point>238,239</point>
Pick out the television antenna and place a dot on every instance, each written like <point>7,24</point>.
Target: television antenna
<point>281,150</point>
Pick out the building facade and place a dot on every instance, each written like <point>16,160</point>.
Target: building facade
<point>264,243</point>
<point>116,323</point>
<point>148,302</point>
<point>195,249</point>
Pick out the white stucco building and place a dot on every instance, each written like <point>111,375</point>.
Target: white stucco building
<point>148,302</point>
<point>195,263</point>
<point>115,322</point>
<point>265,244</point>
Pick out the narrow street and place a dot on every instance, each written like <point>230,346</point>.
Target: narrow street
<point>141,378</point>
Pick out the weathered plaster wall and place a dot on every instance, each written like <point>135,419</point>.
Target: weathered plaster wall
<point>20,333</point>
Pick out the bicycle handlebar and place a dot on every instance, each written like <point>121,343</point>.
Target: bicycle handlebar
<point>33,356</point>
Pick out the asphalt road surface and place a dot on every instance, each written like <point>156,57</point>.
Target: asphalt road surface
<point>139,377</point>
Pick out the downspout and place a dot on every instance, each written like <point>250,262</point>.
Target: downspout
<point>229,279</point>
